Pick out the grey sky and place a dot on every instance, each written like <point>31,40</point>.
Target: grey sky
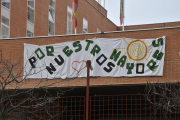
<point>144,11</point>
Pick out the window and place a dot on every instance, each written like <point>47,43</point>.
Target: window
<point>29,34</point>
<point>30,11</point>
<point>30,15</point>
<point>4,31</point>
<point>5,3</point>
<point>98,30</point>
<point>4,27</point>
<point>30,18</point>
<point>52,3</point>
<point>5,18</point>
<point>69,20</point>
<point>85,25</point>
<point>51,28</point>
<point>51,17</point>
<point>31,3</point>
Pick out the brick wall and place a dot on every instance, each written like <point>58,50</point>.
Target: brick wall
<point>98,7</point>
<point>89,9</point>
<point>86,10</point>
<point>148,26</point>
<point>13,51</point>
<point>18,17</point>
<point>94,17</point>
<point>41,17</point>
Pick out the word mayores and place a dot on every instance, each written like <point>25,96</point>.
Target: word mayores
<point>139,66</point>
<point>101,59</point>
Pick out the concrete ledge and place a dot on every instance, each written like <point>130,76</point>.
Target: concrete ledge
<point>91,33</point>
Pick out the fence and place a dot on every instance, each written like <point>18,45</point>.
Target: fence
<point>102,107</point>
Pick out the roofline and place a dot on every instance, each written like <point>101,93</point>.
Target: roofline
<point>149,24</point>
<point>101,12</point>
<point>91,33</point>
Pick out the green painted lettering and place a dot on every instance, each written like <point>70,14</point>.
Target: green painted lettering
<point>158,55</point>
<point>50,50</point>
<point>77,44</point>
<point>96,49</point>
<point>88,44</point>
<point>159,42</point>
<point>67,51</point>
<point>152,65</point>
<point>39,53</point>
<point>115,55</point>
<point>122,61</point>
<point>129,67</point>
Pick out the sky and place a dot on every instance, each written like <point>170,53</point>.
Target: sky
<point>139,12</point>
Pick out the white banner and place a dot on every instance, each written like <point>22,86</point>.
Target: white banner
<point>114,57</point>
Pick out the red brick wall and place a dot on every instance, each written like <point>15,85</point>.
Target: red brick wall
<point>18,18</point>
<point>94,17</point>
<point>41,18</point>
<point>13,50</point>
<point>148,26</point>
<point>171,24</point>
<point>61,16</point>
<point>86,10</point>
<point>98,7</point>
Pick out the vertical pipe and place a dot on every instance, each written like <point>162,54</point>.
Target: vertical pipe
<point>87,90</point>
<point>123,14</point>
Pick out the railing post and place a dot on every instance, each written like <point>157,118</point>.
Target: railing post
<point>87,90</point>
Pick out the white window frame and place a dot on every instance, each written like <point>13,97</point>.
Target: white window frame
<point>8,10</point>
<point>50,7</point>
<point>84,31</point>
<point>69,20</point>
<point>29,23</point>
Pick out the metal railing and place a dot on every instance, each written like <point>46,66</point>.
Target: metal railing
<point>102,107</point>
<point>126,107</point>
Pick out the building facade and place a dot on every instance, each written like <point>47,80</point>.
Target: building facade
<point>45,22</point>
<point>29,18</point>
<point>110,97</point>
